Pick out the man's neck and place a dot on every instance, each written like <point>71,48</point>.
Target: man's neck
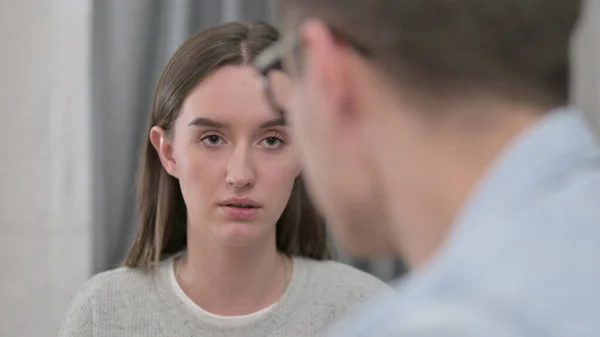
<point>231,280</point>
<point>449,160</point>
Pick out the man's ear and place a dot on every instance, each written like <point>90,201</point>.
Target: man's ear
<point>327,69</point>
<point>298,170</point>
<point>163,146</point>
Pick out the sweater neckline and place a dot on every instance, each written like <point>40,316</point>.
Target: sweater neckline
<point>168,267</point>
<point>263,326</point>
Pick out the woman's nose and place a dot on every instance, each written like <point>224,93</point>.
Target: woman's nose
<point>240,172</point>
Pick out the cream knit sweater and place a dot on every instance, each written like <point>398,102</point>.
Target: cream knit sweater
<point>130,303</point>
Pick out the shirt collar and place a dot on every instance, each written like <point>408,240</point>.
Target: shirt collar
<point>557,144</point>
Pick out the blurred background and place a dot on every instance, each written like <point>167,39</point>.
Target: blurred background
<point>76,79</point>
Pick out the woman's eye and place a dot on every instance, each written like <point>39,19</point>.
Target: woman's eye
<point>212,140</point>
<point>272,142</point>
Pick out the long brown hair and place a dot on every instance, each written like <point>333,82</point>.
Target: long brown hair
<point>162,211</point>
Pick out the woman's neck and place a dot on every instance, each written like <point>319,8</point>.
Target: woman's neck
<point>232,281</point>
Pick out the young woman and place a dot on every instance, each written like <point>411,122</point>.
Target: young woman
<point>228,243</point>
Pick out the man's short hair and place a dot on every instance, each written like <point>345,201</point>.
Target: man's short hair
<point>517,49</point>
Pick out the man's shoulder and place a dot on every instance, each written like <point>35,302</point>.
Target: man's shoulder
<point>574,192</point>
<point>449,317</point>
<point>565,214</point>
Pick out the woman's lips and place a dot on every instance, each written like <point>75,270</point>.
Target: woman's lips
<point>240,213</point>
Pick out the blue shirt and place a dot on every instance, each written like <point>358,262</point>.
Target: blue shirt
<point>523,257</point>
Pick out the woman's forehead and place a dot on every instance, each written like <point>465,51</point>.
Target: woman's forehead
<point>231,95</point>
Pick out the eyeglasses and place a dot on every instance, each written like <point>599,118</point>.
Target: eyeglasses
<point>276,84</point>
<point>270,66</point>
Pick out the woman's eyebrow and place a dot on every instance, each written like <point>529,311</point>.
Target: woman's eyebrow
<point>279,121</point>
<point>203,121</point>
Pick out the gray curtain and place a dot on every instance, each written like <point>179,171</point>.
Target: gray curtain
<point>132,40</point>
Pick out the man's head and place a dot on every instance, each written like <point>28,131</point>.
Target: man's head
<point>387,98</point>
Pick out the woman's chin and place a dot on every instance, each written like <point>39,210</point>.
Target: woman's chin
<point>241,234</point>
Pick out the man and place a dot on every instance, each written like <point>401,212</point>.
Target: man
<point>436,130</point>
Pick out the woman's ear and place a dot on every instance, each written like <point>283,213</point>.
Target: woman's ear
<point>164,147</point>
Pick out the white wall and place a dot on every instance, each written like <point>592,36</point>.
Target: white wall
<point>586,85</point>
<point>45,161</point>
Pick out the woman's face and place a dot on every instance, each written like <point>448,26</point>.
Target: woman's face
<point>233,158</point>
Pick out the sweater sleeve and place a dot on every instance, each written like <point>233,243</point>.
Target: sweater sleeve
<point>79,321</point>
